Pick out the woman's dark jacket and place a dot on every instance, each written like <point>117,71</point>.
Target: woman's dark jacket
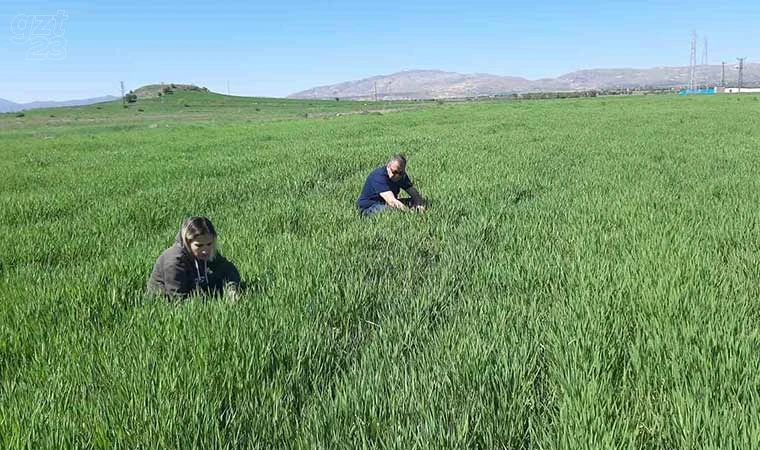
<point>178,272</point>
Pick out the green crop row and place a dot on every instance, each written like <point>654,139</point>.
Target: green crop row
<point>587,277</point>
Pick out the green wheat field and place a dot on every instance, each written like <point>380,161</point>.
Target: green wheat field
<point>588,276</point>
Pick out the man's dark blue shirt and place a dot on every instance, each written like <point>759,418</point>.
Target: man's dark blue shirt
<point>378,181</point>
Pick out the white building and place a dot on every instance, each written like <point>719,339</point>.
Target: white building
<point>733,90</point>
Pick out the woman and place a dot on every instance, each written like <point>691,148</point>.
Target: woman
<point>192,264</point>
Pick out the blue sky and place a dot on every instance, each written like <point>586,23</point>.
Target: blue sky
<point>275,48</point>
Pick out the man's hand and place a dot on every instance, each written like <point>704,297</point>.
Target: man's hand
<point>417,200</point>
<point>392,201</point>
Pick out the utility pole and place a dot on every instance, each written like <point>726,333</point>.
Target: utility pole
<point>375,90</point>
<point>705,64</point>
<point>123,98</point>
<point>723,74</point>
<point>741,72</point>
<point>693,62</point>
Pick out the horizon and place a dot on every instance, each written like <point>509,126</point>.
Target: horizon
<point>277,50</point>
<point>117,95</point>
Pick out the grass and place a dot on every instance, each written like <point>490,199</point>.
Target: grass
<point>189,106</point>
<point>586,278</point>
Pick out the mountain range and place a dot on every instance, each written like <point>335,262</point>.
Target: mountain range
<point>9,106</point>
<point>426,84</point>
<point>433,84</point>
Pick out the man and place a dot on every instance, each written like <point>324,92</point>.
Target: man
<point>380,192</point>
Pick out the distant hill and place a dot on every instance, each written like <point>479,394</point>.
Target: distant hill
<point>148,91</point>
<point>9,106</point>
<point>152,90</point>
<point>420,84</point>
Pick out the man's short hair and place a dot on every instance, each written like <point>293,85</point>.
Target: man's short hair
<point>400,157</point>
